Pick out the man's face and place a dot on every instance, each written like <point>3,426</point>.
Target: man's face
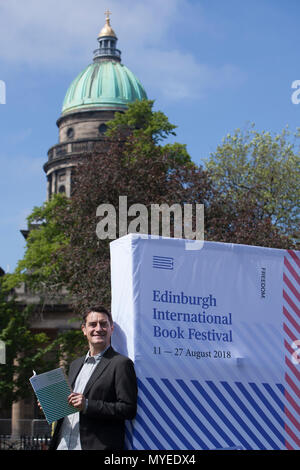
<point>98,331</point>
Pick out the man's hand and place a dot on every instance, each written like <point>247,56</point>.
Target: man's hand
<point>77,400</point>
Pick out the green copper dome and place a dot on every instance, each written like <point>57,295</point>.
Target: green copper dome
<point>104,84</point>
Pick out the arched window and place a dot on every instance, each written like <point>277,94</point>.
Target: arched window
<point>70,133</point>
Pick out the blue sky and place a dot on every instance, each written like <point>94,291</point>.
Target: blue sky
<point>211,65</point>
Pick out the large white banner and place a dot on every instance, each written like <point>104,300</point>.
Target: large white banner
<point>214,335</point>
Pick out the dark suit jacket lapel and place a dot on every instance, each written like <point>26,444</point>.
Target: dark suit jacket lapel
<point>105,360</point>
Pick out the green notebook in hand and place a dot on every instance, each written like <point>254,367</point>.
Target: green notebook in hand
<point>52,390</point>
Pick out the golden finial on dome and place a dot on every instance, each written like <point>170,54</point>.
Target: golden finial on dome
<point>107,29</point>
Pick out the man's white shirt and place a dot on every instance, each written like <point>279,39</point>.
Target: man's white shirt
<point>69,437</point>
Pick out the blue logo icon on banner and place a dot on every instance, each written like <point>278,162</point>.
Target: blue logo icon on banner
<point>163,262</point>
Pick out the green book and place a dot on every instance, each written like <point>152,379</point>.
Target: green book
<point>52,390</point>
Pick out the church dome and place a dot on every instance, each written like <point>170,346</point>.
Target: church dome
<point>103,84</point>
<point>106,83</point>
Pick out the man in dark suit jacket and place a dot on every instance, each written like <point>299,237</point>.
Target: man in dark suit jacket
<point>107,393</point>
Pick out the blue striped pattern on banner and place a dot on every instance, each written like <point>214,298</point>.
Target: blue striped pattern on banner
<point>191,414</point>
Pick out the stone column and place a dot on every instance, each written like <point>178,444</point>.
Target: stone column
<point>17,411</point>
<point>17,414</point>
<point>68,181</point>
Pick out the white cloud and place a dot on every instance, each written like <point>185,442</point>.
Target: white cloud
<point>176,75</point>
<point>62,34</point>
<point>51,31</point>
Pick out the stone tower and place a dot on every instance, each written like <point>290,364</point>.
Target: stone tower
<point>101,89</point>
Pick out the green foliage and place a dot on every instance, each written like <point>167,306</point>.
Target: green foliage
<point>25,350</point>
<point>177,154</point>
<point>265,166</point>
<point>70,345</point>
<point>139,119</point>
<point>41,262</point>
<point>147,128</point>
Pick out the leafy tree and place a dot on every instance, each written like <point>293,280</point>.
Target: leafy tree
<point>25,350</point>
<point>264,170</point>
<point>40,268</point>
<point>146,175</point>
<point>145,178</point>
<point>140,120</point>
<point>243,221</point>
<point>147,128</point>
<point>41,271</point>
<point>65,250</point>
<point>62,249</point>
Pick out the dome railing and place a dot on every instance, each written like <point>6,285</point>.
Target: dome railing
<point>71,148</point>
<point>107,51</point>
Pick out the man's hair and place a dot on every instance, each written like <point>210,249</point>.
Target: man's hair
<point>97,309</point>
